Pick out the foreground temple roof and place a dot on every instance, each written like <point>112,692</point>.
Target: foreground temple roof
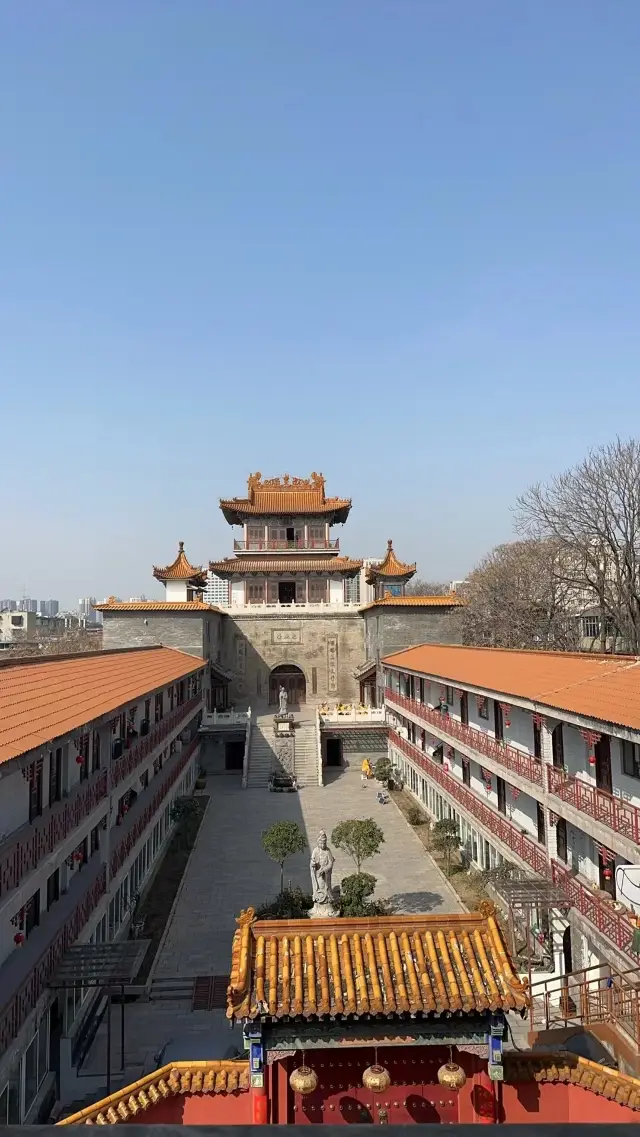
<point>268,563</point>
<point>449,600</point>
<point>285,495</point>
<point>404,965</point>
<point>113,605</point>
<point>390,568</point>
<point>182,569</point>
<point>210,1077</point>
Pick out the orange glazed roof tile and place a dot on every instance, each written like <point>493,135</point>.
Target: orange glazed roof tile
<point>285,495</point>
<point>181,569</point>
<point>390,567</point>
<point>602,687</point>
<point>113,605</point>
<point>450,600</point>
<point>216,1076</point>
<point>268,563</point>
<point>39,702</point>
<point>392,965</point>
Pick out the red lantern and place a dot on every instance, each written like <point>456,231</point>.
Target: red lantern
<point>540,937</point>
<point>79,760</point>
<point>77,856</point>
<point>607,873</point>
<point>18,939</point>
<point>592,759</point>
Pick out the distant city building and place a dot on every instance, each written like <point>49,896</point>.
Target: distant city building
<point>27,605</point>
<point>8,606</point>
<point>216,591</point>
<point>137,599</point>
<point>85,610</point>
<point>48,608</point>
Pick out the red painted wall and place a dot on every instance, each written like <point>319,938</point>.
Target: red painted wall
<point>198,1109</point>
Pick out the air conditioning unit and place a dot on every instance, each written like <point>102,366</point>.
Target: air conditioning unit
<point>628,886</point>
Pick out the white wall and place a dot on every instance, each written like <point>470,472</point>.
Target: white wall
<point>336,590</point>
<point>237,592</point>
<point>176,590</point>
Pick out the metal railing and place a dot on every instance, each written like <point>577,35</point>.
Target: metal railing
<point>319,748</point>
<point>137,820</point>
<point>518,761</point>
<point>525,847</point>
<point>615,922</point>
<point>23,850</point>
<point>617,814</point>
<point>313,544</point>
<point>598,994</point>
<point>128,761</point>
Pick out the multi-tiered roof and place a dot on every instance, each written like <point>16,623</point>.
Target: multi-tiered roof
<point>285,496</point>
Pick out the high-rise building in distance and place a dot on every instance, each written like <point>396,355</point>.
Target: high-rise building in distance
<point>216,591</point>
<point>28,605</point>
<point>85,609</point>
<point>8,606</point>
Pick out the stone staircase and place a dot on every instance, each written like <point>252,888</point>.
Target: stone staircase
<point>262,758</point>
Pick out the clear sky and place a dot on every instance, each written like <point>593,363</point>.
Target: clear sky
<point>396,241</point>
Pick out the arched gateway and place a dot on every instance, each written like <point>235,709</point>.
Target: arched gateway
<point>290,677</point>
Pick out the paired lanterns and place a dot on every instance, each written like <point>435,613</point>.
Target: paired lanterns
<point>451,1076</point>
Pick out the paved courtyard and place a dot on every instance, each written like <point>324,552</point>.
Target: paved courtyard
<point>228,871</point>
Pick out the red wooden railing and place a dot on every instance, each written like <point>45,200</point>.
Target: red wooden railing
<point>516,760</point>
<point>592,995</point>
<point>523,846</point>
<point>616,814</point>
<point>22,1002</point>
<point>24,851</point>
<point>127,762</point>
<point>616,926</point>
<point>140,822</point>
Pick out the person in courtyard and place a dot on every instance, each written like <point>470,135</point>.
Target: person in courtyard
<point>366,771</point>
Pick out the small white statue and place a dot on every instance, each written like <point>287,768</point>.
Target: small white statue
<point>283,698</point>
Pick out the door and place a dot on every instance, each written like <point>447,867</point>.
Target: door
<point>540,820</point>
<point>603,764</point>
<point>334,752</point>
<point>234,754</point>
<point>35,792</point>
<point>557,746</point>
<point>498,721</point>
<point>561,839</point>
<point>502,795</point>
<point>287,591</point>
<point>464,708</point>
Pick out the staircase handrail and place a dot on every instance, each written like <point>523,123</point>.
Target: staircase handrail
<point>247,747</point>
<point>319,748</point>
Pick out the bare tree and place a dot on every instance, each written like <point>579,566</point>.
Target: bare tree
<point>69,642</point>
<point>515,599</point>
<point>592,512</point>
<point>420,587</point>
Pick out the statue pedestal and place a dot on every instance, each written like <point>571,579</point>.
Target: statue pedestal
<point>323,912</point>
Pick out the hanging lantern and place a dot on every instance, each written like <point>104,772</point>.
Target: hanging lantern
<point>592,759</point>
<point>540,937</point>
<point>451,1076</point>
<point>607,873</point>
<point>303,1080</point>
<point>79,760</point>
<point>77,856</point>
<point>376,1079</point>
<point>18,939</point>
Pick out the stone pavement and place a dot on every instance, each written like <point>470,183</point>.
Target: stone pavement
<point>228,871</point>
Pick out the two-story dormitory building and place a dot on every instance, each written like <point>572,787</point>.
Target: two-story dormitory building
<point>537,756</point>
<point>93,751</point>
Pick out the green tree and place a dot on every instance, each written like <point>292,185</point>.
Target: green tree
<point>282,840</point>
<point>186,813</point>
<point>445,839</point>
<point>360,839</point>
<point>383,770</point>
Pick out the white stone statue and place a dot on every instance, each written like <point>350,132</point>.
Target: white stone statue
<point>282,697</point>
<point>321,866</point>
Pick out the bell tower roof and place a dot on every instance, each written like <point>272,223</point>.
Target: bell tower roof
<point>390,568</point>
<point>286,496</point>
<point>182,569</point>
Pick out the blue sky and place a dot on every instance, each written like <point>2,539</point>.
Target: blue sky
<point>396,241</point>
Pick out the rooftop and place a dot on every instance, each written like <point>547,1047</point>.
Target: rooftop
<point>287,495</point>
<point>392,965</point>
<point>113,605</point>
<point>602,687</point>
<point>267,563</point>
<point>181,569</point>
<point>41,701</point>
<point>449,600</point>
<point>390,567</point>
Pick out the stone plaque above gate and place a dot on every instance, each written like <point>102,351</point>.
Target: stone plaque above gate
<point>286,635</point>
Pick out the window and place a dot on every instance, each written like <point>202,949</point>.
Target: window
<point>55,775</point>
<point>501,789</point>
<point>630,759</point>
<point>591,627</point>
<point>464,709</point>
<point>95,750</point>
<point>540,823</point>
<point>17,621</point>
<point>159,707</point>
<point>483,706</point>
<point>421,691</point>
<point>144,779</point>
<point>35,791</point>
<point>53,888</point>
<point>466,770</point>
<point>317,590</point>
<point>255,536</point>
<point>95,839</point>
<point>498,721</point>
<point>317,537</point>
<point>255,591</point>
<point>537,739</point>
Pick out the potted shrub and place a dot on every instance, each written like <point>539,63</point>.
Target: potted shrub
<point>201,778</point>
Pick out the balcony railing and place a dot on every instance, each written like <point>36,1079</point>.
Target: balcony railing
<point>124,765</point>
<point>311,544</point>
<point>351,712</point>
<point>515,760</point>
<point>618,926</point>
<point>213,719</point>
<point>30,968</point>
<point>27,846</point>
<point>138,818</point>
<point>526,848</point>
<point>616,814</point>
<point>598,994</point>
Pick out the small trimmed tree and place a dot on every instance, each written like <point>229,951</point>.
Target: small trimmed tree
<point>446,839</point>
<point>282,840</point>
<point>360,839</point>
<point>383,770</point>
